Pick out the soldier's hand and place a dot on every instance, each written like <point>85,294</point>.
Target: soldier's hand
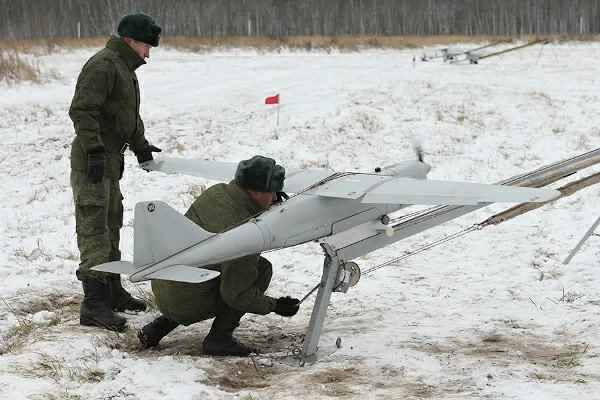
<point>287,306</point>
<point>95,166</point>
<point>280,197</point>
<point>145,154</point>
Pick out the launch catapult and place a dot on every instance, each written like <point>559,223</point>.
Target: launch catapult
<point>350,214</point>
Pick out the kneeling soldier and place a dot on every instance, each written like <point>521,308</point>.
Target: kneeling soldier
<point>241,286</point>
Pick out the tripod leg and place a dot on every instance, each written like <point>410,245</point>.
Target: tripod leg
<point>582,241</point>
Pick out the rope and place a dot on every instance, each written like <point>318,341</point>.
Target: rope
<point>405,256</point>
<point>422,249</point>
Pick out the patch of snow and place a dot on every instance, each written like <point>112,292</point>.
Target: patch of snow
<point>493,314</point>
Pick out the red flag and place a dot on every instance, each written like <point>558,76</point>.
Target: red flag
<point>272,99</point>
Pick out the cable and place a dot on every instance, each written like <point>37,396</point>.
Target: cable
<point>405,256</point>
<point>422,249</point>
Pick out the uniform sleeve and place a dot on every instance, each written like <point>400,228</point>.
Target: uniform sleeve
<point>94,86</point>
<point>139,138</point>
<point>239,286</point>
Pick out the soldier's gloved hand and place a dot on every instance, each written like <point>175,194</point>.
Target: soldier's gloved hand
<point>281,197</point>
<point>287,306</point>
<point>95,166</point>
<point>145,154</point>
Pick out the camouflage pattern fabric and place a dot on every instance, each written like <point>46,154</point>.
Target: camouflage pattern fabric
<point>188,303</point>
<point>98,220</point>
<point>105,107</point>
<point>241,286</point>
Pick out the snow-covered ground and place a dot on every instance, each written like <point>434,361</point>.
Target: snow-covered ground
<point>492,315</point>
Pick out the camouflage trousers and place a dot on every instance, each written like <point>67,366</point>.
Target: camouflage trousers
<point>195,302</point>
<point>98,220</point>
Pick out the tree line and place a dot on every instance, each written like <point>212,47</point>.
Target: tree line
<point>25,19</point>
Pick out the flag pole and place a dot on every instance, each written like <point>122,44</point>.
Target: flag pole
<point>278,105</point>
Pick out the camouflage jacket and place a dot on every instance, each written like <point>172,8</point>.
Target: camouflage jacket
<point>105,107</point>
<point>218,209</point>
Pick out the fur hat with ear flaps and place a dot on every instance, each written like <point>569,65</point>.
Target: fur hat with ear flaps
<point>140,27</point>
<point>260,174</point>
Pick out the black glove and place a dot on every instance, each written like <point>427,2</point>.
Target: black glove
<point>145,154</point>
<point>95,166</point>
<point>281,197</point>
<point>287,306</point>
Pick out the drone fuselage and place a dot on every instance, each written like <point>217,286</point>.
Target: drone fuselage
<point>303,218</point>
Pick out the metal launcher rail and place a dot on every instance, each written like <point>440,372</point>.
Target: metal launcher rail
<point>474,59</point>
<point>339,273</point>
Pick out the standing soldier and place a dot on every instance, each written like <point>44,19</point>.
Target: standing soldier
<point>105,114</point>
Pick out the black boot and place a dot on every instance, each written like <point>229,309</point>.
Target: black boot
<point>95,308</point>
<point>225,345</point>
<point>152,333</point>
<point>120,299</point>
<point>220,340</point>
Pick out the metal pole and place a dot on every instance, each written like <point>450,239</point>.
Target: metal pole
<point>519,209</point>
<point>331,268</point>
<point>487,45</point>
<point>469,53</point>
<point>582,241</point>
<point>512,49</point>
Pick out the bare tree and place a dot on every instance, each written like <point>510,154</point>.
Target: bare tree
<point>279,18</point>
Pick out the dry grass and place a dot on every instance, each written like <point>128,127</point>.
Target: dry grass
<point>63,308</point>
<point>50,45</point>
<point>16,336</point>
<point>144,294</point>
<point>249,397</point>
<point>347,43</point>
<point>15,68</point>
<point>123,341</point>
<point>350,43</point>
<point>16,64</point>
<point>515,349</point>
<point>60,371</point>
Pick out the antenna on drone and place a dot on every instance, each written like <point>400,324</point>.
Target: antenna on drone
<point>418,148</point>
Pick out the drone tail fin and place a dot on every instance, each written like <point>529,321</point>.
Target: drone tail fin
<point>159,233</point>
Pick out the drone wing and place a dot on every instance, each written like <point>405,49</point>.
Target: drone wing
<point>300,179</point>
<point>213,170</point>
<point>295,180</point>
<point>377,189</point>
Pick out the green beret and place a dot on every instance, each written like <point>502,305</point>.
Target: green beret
<point>141,28</point>
<point>260,174</point>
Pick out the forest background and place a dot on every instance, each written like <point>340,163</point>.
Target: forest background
<point>26,19</point>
